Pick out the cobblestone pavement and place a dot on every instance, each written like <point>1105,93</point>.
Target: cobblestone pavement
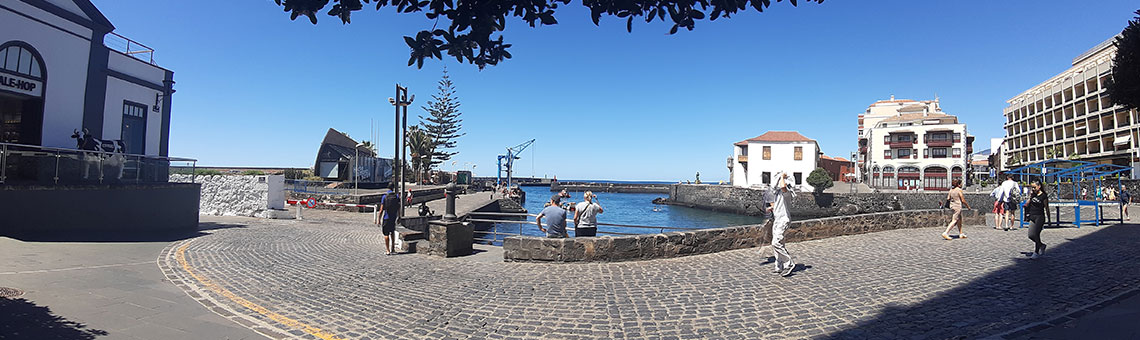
<point>314,279</point>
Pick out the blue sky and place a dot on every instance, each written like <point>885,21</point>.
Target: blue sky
<point>256,89</point>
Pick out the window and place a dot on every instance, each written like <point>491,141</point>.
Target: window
<point>134,127</point>
<point>938,153</point>
<point>904,153</point>
<point>887,154</point>
<point>743,150</point>
<point>957,137</point>
<point>957,152</point>
<point>926,153</point>
<point>904,138</point>
<point>799,153</point>
<point>767,152</point>
<point>799,176</point>
<point>766,177</point>
<point>20,60</point>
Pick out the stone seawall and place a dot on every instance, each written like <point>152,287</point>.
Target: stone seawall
<point>609,187</point>
<point>238,195</point>
<point>748,201</point>
<point>706,241</point>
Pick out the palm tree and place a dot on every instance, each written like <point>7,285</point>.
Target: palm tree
<point>421,149</point>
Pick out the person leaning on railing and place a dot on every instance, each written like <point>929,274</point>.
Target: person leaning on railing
<point>586,216</point>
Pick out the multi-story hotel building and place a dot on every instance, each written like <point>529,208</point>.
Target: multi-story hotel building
<point>1070,116</point>
<point>908,144</point>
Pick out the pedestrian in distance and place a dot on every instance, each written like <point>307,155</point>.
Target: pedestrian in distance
<point>555,219</point>
<point>1036,208</point>
<point>390,206</point>
<point>778,206</point>
<point>957,201</point>
<point>1009,189</point>
<point>586,215</point>
<point>1125,200</point>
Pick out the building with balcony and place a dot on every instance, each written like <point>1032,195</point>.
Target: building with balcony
<point>756,161</point>
<point>908,144</point>
<point>1070,116</point>
<point>63,69</point>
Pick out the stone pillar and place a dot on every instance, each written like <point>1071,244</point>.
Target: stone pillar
<point>450,238</point>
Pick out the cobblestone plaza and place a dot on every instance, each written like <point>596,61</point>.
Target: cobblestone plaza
<point>319,279</point>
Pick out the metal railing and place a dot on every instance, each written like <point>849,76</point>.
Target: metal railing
<point>317,187</point>
<point>494,232</point>
<point>33,164</point>
<point>129,47</point>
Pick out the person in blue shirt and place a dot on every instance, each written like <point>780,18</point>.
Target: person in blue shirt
<point>555,218</point>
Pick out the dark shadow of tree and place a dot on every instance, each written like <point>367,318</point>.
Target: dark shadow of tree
<point>1086,270</point>
<point>23,319</point>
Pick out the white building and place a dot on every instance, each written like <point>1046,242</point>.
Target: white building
<point>58,75</point>
<point>757,160</point>
<point>1070,116</point>
<point>908,144</point>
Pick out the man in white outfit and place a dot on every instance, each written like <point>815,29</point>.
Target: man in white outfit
<point>778,206</point>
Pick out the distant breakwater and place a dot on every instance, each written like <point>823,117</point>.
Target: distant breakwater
<point>610,187</point>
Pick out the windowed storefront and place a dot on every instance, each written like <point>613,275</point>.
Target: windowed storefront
<point>22,79</point>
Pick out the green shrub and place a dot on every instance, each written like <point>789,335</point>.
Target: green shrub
<point>820,179</point>
<point>207,172</point>
<point>253,172</point>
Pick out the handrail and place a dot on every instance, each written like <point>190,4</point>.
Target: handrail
<point>90,158</point>
<point>48,148</point>
<point>127,49</point>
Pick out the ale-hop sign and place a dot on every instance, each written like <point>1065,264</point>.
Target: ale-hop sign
<point>21,85</point>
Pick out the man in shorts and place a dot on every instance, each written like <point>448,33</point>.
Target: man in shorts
<point>390,203</point>
<point>1009,190</point>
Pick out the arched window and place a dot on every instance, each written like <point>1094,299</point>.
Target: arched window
<point>19,58</point>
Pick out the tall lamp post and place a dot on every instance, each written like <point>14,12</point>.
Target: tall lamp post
<point>356,171</point>
<point>400,101</point>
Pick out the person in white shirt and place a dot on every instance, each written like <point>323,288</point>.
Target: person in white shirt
<point>778,206</point>
<point>1009,188</point>
<point>586,216</point>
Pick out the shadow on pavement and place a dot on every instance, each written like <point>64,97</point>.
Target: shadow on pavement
<point>119,236</point>
<point>1084,271</point>
<point>23,319</point>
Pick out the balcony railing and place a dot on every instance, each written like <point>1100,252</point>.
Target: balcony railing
<point>39,165</point>
<point>939,142</point>
<point>129,47</point>
<point>902,145</point>
<point>742,158</point>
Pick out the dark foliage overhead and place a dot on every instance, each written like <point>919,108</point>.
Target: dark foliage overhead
<point>1124,87</point>
<point>472,26</point>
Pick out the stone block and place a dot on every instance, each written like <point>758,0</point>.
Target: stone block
<point>574,249</point>
<point>450,239</point>
<point>624,248</point>
<point>549,249</point>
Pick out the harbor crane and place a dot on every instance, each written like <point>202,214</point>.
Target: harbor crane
<point>510,157</point>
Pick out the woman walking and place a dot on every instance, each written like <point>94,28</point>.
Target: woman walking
<point>957,201</point>
<point>1037,209</point>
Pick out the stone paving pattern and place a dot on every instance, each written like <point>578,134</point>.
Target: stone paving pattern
<point>906,283</point>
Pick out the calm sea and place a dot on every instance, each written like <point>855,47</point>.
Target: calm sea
<point>630,209</point>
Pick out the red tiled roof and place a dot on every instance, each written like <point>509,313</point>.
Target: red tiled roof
<point>837,159</point>
<point>778,136</point>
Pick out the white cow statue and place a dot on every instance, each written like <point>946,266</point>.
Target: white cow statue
<point>111,153</point>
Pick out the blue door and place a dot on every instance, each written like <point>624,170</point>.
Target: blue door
<point>134,128</point>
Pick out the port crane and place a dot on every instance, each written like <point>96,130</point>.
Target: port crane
<point>510,157</point>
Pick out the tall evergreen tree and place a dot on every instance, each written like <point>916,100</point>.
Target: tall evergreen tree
<point>443,121</point>
<point>1124,85</point>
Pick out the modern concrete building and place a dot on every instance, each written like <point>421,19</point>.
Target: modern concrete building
<point>908,144</point>
<point>62,69</point>
<point>1070,116</point>
<point>757,160</point>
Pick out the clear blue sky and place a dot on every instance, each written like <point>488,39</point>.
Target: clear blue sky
<point>256,89</point>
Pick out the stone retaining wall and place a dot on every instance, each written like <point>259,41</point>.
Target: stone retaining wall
<point>811,205</point>
<point>238,195</point>
<point>705,241</point>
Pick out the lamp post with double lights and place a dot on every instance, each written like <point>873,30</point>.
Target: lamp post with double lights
<point>400,101</point>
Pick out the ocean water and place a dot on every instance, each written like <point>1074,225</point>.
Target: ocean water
<point>629,209</point>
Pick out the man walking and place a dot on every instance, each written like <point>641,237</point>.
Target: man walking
<point>586,216</point>
<point>555,219</point>
<point>778,206</point>
<point>1009,190</point>
<point>390,203</point>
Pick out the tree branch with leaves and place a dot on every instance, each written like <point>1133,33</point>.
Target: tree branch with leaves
<point>1124,86</point>
<point>473,28</point>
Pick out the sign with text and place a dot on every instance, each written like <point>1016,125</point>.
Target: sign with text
<point>18,84</point>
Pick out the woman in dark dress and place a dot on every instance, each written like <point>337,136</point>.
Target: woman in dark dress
<point>1037,209</point>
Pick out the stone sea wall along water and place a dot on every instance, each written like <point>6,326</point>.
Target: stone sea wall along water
<point>812,205</point>
<point>238,195</point>
<point>706,241</point>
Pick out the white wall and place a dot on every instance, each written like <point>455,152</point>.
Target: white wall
<point>65,64</point>
<point>119,90</point>
<point>782,159</point>
<point>135,67</point>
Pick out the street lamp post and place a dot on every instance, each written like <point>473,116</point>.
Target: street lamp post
<point>400,101</point>
<point>356,171</point>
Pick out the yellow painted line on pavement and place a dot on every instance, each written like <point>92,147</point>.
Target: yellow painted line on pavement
<point>180,255</point>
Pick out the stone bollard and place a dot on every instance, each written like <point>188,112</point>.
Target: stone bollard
<point>449,237</point>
